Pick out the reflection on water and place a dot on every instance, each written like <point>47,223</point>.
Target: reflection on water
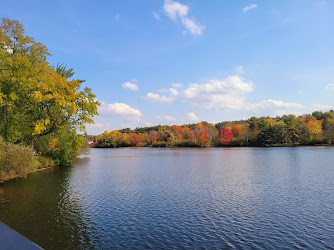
<point>45,208</point>
<point>163,198</point>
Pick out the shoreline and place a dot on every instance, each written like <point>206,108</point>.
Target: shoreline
<point>24,176</point>
<point>231,146</point>
<point>266,146</point>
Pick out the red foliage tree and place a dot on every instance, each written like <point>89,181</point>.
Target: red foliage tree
<point>225,136</point>
<point>153,136</point>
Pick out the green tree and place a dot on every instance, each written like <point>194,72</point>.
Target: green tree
<point>294,128</point>
<point>280,132</point>
<point>266,133</point>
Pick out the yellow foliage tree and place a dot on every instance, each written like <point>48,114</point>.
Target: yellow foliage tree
<point>35,98</point>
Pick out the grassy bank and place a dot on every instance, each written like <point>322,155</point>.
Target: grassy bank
<point>18,161</point>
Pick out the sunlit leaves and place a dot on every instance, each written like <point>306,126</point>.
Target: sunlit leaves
<point>35,98</point>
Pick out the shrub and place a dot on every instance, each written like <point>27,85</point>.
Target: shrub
<point>15,160</point>
<point>188,143</point>
<point>43,162</point>
<point>161,144</point>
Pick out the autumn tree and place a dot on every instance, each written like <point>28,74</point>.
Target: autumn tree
<point>203,138</point>
<point>313,131</point>
<point>187,133</point>
<point>36,99</point>
<point>134,139</point>
<point>144,139</point>
<point>153,136</point>
<point>236,130</point>
<point>225,136</point>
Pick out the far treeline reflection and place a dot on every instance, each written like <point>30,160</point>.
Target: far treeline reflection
<point>287,130</point>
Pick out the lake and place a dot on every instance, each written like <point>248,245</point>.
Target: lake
<point>179,198</point>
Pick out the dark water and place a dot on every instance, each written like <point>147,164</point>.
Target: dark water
<point>179,198</point>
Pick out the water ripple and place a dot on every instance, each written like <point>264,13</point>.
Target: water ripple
<point>240,198</point>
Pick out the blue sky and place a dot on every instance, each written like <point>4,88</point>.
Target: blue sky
<point>175,62</point>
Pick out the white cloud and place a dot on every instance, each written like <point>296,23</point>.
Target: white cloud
<point>171,91</point>
<point>170,118</point>
<point>249,7</point>
<point>330,86</point>
<point>193,27</point>
<point>239,70</point>
<point>320,107</point>
<point>274,107</point>
<point>213,122</point>
<point>130,85</point>
<point>175,10</point>
<point>115,116</point>
<point>228,94</point>
<point>177,85</point>
<point>192,116</point>
<point>151,97</point>
<point>148,124</point>
<point>97,128</point>
<point>300,92</point>
<point>215,94</point>
<point>119,110</point>
<point>156,15</point>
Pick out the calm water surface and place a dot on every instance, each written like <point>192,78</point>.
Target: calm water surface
<point>179,198</point>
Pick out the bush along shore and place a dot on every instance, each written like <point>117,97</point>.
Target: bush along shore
<point>18,161</point>
<point>287,130</point>
<point>42,106</point>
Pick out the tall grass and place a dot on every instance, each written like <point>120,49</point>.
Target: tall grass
<point>15,160</point>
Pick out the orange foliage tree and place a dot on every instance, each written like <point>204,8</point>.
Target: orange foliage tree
<point>203,138</point>
<point>134,139</point>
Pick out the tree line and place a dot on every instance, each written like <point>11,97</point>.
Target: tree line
<point>287,130</point>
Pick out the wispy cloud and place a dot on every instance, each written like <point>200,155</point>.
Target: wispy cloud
<point>177,85</point>
<point>321,107</point>
<point>171,91</point>
<point>151,97</point>
<point>249,7</point>
<point>239,70</point>
<point>177,11</point>
<point>170,118</point>
<point>330,86</point>
<point>117,17</point>
<point>156,15</point>
<point>192,116</point>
